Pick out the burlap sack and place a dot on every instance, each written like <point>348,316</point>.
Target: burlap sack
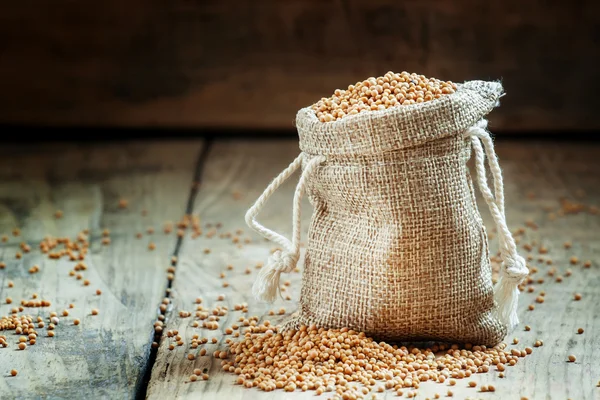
<point>396,247</point>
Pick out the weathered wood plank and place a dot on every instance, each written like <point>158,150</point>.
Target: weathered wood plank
<point>549,171</point>
<point>106,355</point>
<point>254,64</point>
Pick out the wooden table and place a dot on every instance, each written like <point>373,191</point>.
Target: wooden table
<point>110,355</point>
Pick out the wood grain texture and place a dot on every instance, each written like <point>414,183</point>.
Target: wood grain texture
<point>249,64</point>
<point>536,175</point>
<point>106,355</point>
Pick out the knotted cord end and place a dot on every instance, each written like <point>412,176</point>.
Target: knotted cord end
<point>512,273</point>
<point>266,286</point>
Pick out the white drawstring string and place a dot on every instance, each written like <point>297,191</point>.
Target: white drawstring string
<point>514,268</point>
<point>266,285</point>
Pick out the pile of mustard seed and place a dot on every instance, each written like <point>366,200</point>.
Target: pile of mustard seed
<point>380,93</point>
<point>352,365</point>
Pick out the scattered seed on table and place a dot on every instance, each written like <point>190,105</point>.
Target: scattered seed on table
<point>572,358</point>
<point>580,331</point>
<point>76,321</point>
<point>22,346</point>
<point>538,343</point>
<point>531,307</point>
<point>11,284</point>
<point>574,260</point>
<point>8,300</point>
<point>193,378</point>
<point>515,341</point>
<point>527,328</point>
<point>577,296</point>
<point>151,246</point>
<point>587,264</point>
<point>95,311</point>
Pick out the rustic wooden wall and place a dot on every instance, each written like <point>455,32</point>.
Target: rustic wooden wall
<point>254,63</point>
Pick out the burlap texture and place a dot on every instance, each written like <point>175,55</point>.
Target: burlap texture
<point>396,246</point>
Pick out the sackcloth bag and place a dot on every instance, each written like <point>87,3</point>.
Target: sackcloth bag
<point>396,246</point>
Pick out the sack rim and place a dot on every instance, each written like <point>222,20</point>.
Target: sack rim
<point>411,125</point>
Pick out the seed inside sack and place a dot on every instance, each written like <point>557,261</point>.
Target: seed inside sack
<point>380,93</point>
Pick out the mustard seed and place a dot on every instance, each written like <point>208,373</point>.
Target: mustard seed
<point>572,358</point>
<point>574,260</point>
<point>76,321</point>
<point>193,378</point>
<point>22,346</point>
<point>65,313</point>
<point>577,296</point>
<point>527,328</point>
<point>580,331</point>
<point>51,333</point>
<point>191,357</point>
<point>13,372</point>
<point>95,311</point>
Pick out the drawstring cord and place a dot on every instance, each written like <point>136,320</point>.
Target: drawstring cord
<point>266,286</point>
<point>514,268</point>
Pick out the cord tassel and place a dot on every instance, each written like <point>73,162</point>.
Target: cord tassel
<point>507,291</point>
<point>266,287</point>
<point>514,269</point>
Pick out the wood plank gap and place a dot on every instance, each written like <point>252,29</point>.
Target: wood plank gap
<point>142,386</point>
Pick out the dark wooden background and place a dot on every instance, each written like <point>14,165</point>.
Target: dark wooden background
<point>251,64</point>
